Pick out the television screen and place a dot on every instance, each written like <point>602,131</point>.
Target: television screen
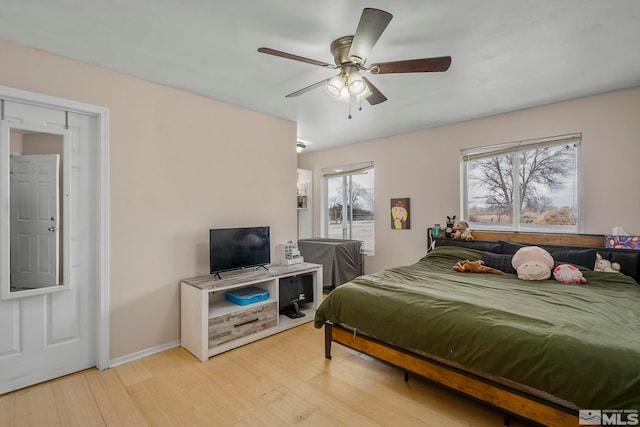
<point>234,248</point>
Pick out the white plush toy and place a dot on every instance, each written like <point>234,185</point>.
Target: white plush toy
<point>532,263</point>
<point>605,265</point>
<point>567,273</point>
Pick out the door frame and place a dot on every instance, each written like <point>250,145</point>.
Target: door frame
<point>102,197</point>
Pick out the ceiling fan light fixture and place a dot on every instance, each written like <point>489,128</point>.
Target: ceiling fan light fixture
<point>364,95</point>
<point>335,86</point>
<point>356,84</point>
<point>343,86</point>
<point>345,96</point>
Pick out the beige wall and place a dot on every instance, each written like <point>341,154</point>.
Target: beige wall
<point>180,164</point>
<point>425,167</point>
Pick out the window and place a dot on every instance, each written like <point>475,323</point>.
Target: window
<point>349,204</point>
<point>547,174</point>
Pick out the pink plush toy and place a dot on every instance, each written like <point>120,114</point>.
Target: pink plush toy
<point>567,273</point>
<point>532,263</point>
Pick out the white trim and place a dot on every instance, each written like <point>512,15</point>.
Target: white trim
<point>486,152</point>
<point>512,147</point>
<point>143,353</point>
<point>103,249</point>
<point>18,95</point>
<point>351,169</point>
<point>102,261</point>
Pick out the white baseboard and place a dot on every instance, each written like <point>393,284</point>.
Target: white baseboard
<point>142,353</point>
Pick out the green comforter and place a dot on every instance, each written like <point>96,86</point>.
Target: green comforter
<point>580,343</point>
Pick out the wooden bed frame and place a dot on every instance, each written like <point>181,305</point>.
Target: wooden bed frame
<point>508,399</point>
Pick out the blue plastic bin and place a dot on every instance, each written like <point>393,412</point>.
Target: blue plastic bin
<point>245,296</point>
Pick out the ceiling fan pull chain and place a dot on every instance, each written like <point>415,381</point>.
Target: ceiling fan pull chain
<point>350,101</point>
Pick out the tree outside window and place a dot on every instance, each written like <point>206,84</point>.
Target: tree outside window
<point>532,186</point>
<point>350,205</point>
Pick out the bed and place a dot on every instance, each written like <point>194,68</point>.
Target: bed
<point>541,351</point>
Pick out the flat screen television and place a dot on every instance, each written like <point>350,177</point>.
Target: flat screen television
<point>236,248</point>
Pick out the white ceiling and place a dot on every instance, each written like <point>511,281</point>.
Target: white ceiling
<point>506,54</point>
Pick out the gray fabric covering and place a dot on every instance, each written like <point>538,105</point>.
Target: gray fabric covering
<point>340,259</point>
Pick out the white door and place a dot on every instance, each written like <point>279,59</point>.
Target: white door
<point>34,188</point>
<point>46,334</point>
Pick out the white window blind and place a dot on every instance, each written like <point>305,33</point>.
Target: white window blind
<point>512,147</point>
<point>347,169</point>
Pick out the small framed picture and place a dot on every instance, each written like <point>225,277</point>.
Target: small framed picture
<point>400,218</point>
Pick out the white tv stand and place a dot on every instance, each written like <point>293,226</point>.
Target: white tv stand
<point>211,325</point>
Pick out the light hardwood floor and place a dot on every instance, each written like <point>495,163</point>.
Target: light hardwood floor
<point>282,380</point>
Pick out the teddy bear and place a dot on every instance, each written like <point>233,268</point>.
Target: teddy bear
<point>567,273</point>
<point>605,265</point>
<point>462,231</point>
<point>475,267</point>
<point>532,263</point>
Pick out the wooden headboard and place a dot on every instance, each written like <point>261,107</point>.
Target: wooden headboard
<point>556,239</point>
<point>579,240</point>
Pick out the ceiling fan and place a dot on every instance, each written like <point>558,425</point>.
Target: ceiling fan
<point>350,54</point>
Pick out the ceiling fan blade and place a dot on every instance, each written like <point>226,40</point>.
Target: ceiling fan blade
<point>372,24</point>
<point>308,88</point>
<point>376,96</point>
<point>294,57</point>
<point>423,65</point>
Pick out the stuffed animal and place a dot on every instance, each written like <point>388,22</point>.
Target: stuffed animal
<point>449,230</point>
<point>475,267</point>
<point>567,273</point>
<point>532,263</point>
<point>462,231</point>
<point>606,265</point>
